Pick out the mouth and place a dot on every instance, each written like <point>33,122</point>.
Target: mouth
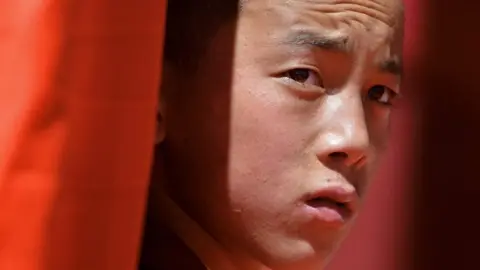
<point>336,206</point>
<point>318,202</point>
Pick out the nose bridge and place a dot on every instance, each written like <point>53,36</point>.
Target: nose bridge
<point>348,131</point>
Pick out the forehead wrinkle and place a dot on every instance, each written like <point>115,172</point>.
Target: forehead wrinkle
<point>329,32</point>
<point>388,15</point>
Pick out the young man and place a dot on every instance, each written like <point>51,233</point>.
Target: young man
<point>272,120</point>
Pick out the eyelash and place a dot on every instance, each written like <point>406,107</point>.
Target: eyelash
<point>391,95</point>
<point>302,72</point>
<point>373,92</point>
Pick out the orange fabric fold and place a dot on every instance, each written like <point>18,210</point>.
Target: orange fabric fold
<point>78,90</point>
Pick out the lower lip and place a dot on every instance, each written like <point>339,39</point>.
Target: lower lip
<point>328,213</point>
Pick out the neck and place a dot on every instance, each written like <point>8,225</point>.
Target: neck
<point>244,262</point>
<point>209,252</point>
<point>213,255</point>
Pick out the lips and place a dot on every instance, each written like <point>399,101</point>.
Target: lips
<point>335,204</point>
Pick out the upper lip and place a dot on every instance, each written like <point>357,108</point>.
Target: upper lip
<point>341,194</point>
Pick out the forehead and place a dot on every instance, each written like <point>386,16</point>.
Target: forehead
<point>378,22</point>
<point>383,10</point>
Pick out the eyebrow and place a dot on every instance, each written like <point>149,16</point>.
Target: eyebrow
<point>339,43</point>
<point>392,65</point>
<point>326,42</point>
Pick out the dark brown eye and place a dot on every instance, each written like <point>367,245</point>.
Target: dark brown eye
<point>304,76</point>
<point>381,94</point>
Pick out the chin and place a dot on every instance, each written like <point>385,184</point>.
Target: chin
<point>299,255</point>
<point>305,263</point>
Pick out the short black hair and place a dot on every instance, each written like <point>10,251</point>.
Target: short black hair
<point>190,26</point>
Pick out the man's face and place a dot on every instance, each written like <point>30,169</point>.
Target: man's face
<point>272,152</point>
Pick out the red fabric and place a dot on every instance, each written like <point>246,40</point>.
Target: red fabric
<point>78,89</point>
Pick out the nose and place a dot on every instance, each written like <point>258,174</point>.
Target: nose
<point>345,139</point>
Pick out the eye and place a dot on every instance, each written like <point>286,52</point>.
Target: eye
<point>304,76</point>
<point>382,94</point>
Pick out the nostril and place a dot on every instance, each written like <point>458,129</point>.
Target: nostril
<point>338,155</point>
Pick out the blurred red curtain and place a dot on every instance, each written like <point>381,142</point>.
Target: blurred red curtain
<point>78,90</point>
<point>447,234</point>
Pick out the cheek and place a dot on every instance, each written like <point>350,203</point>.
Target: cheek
<point>260,146</point>
<point>378,123</point>
<point>265,146</point>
